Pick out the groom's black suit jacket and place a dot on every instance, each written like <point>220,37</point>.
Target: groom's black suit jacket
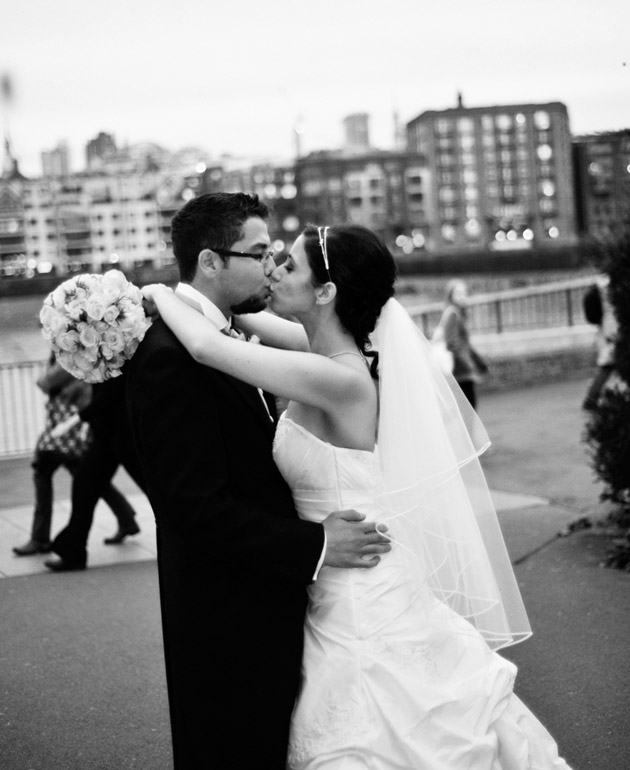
<point>234,561</point>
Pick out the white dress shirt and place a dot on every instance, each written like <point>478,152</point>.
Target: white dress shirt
<point>216,317</point>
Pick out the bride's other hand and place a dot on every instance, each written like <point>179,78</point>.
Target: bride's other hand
<point>149,293</point>
<point>351,541</point>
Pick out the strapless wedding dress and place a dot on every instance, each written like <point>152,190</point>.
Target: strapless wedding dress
<point>392,680</point>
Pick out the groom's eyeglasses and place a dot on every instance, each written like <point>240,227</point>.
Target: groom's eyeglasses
<point>264,257</point>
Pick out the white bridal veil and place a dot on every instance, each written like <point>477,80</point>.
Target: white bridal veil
<point>435,500</point>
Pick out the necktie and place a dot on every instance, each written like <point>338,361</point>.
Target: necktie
<point>232,332</point>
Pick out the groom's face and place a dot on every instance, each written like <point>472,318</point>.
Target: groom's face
<point>245,281</point>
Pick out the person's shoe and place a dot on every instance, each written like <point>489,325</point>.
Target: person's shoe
<point>31,548</point>
<point>58,564</point>
<point>123,532</point>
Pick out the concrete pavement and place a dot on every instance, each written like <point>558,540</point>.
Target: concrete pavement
<point>81,674</point>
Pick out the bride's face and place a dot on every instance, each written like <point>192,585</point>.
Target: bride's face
<point>292,290</point>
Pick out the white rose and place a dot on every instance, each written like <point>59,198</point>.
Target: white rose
<point>88,336</point>
<point>111,314</point>
<point>106,352</point>
<point>75,308</point>
<point>114,281</point>
<point>58,296</point>
<point>68,341</point>
<point>90,281</point>
<point>52,320</point>
<point>114,340</point>
<point>128,323</point>
<point>96,306</point>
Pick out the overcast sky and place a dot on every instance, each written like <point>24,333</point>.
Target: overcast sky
<point>236,76</point>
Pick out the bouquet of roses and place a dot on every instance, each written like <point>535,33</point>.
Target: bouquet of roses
<point>94,323</point>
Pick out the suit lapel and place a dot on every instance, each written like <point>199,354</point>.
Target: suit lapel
<point>251,397</point>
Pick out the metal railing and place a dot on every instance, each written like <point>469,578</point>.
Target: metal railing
<point>546,306</point>
<point>22,414</point>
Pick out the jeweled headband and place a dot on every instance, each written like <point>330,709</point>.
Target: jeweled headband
<point>322,233</point>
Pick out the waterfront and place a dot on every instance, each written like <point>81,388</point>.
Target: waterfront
<point>21,339</point>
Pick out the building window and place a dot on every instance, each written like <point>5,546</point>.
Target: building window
<point>447,195</point>
<point>448,233</point>
<point>472,211</point>
<point>509,192</point>
<point>542,120</point>
<point>445,143</point>
<point>443,126</point>
<point>547,188</point>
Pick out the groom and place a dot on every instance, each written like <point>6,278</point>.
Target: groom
<point>234,560</point>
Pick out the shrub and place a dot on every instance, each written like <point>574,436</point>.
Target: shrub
<point>608,430</point>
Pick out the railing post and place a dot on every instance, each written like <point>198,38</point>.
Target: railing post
<point>498,317</point>
<point>569,307</point>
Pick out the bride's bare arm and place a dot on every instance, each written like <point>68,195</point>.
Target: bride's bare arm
<point>305,377</point>
<point>273,331</point>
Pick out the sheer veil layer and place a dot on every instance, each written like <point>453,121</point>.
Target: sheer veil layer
<point>434,499</point>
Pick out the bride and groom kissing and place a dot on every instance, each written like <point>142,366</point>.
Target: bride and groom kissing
<point>312,613</point>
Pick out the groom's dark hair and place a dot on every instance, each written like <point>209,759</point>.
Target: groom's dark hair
<point>212,221</point>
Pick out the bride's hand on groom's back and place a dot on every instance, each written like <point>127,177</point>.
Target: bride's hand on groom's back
<point>351,541</point>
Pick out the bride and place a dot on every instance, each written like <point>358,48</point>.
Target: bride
<point>400,668</point>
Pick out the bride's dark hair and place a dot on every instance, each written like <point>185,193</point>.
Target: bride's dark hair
<point>363,270</point>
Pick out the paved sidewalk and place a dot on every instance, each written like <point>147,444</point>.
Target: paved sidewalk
<point>81,673</point>
<point>15,528</point>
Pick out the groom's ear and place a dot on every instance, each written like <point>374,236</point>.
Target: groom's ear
<point>325,293</point>
<point>208,262</point>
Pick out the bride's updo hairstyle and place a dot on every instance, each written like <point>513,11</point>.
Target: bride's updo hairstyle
<point>361,267</point>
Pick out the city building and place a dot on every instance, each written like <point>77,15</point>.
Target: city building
<point>272,180</point>
<point>13,259</point>
<point>99,150</point>
<point>602,176</point>
<point>385,190</point>
<point>500,176</point>
<point>56,162</point>
<point>116,215</point>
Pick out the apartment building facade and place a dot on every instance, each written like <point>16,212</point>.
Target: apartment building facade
<point>500,176</point>
<point>89,221</point>
<point>602,176</point>
<point>385,191</point>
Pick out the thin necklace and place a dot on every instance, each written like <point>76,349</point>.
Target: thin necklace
<point>347,353</point>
